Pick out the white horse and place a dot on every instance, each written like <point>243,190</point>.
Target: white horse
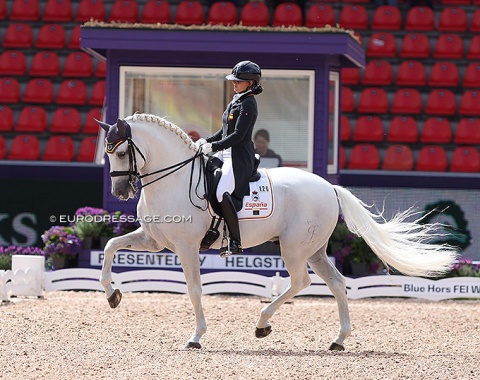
<point>306,212</point>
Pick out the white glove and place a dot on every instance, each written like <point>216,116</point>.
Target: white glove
<point>200,142</point>
<point>206,148</point>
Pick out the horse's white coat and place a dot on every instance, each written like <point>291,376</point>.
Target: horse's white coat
<point>306,213</point>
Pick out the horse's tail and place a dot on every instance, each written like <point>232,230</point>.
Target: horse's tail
<point>402,245</point>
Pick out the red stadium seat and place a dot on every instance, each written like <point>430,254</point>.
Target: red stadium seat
<point>72,92</point>
<point>97,96</point>
<point>222,13</point>
<point>74,41</point>
<point>411,73</point>
<point>51,36</point>
<point>101,69</point>
<point>78,64</point>
<point>32,119</point>
<point>156,11</point>
<point>124,11</point>
<point>287,14</point>
<point>387,17</point>
<point>24,147</point>
<point>403,129</point>
<point>354,17</point>
<point>398,157</point>
<point>86,152</point>
<point>373,100</point>
<point>13,62</point>
<point>319,15</point>
<point>3,148</point>
<point>444,74</point>
<point>91,9</point>
<point>364,157</point>
<point>9,90</point>
<point>475,23</point>
<point>378,73</point>
<point>66,120</point>
<point>3,10</point>
<point>91,125</point>
<point>345,128</point>
<point>453,19</point>
<point>347,100</point>
<point>471,77</point>
<point>25,10</point>
<point>474,48</point>
<point>415,45</point>
<point>6,118</point>
<point>436,130</point>
<point>39,90</point>
<point>432,159</point>
<point>407,101</point>
<point>350,76</point>
<point>441,102</point>
<point>368,129</point>
<point>449,46</point>
<point>382,45</point>
<point>467,131</point>
<point>457,2</point>
<point>18,36</point>
<point>255,13</point>
<point>58,11</point>
<point>420,19</point>
<point>465,159</point>
<point>59,148</point>
<point>470,103</point>
<point>190,13</point>
<point>45,64</point>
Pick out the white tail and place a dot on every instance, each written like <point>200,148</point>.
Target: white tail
<point>399,244</point>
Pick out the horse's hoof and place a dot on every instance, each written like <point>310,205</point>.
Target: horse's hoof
<point>336,347</point>
<point>196,345</point>
<point>114,299</point>
<point>263,332</point>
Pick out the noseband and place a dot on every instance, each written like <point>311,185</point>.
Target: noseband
<point>133,173</point>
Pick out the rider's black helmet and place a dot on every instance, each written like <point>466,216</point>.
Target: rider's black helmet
<point>245,71</point>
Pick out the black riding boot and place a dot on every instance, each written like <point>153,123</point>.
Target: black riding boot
<point>231,219</point>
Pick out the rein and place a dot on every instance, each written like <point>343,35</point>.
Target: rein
<point>134,175</point>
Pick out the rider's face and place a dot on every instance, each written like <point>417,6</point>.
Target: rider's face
<point>239,87</point>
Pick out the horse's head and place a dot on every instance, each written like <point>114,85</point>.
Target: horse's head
<point>125,158</point>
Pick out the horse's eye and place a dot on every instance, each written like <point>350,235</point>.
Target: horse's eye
<point>121,154</point>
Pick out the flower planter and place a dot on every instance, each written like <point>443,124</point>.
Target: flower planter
<point>62,262</point>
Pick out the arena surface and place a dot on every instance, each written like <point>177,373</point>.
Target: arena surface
<point>75,335</point>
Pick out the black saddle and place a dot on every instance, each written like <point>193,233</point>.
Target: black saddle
<point>213,175</point>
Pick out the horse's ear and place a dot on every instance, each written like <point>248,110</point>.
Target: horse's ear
<point>104,126</point>
<point>121,127</point>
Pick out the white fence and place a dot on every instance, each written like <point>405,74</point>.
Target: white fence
<point>27,282</point>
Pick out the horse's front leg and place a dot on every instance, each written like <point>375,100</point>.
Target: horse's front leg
<point>191,268</point>
<point>136,241</point>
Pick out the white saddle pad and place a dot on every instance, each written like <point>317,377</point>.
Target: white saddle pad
<point>259,204</point>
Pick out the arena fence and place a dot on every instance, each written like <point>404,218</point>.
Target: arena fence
<point>33,282</point>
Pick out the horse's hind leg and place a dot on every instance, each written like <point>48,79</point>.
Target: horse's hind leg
<point>299,279</point>
<point>324,268</point>
<point>136,241</point>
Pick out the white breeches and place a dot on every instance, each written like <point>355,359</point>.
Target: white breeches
<point>227,181</point>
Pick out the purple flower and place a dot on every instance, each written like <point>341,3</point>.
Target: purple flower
<point>60,240</point>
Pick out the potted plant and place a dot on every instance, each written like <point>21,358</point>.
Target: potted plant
<point>123,222</point>
<point>6,254</point>
<point>62,247</point>
<point>92,226</point>
<point>464,268</point>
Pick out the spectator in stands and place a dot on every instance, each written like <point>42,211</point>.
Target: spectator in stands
<point>262,142</point>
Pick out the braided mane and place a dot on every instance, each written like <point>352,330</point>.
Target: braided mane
<point>165,124</point>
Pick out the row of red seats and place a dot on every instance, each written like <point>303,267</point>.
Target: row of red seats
<point>47,64</point>
<point>379,72</point>
<point>400,157</point>
<point>41,91</point>
<point>50,36</point>
<point>406,101</point>
<point>37,119</point>
<point>57,148</point>
<point>418,45</point>
<point>387,17</point>
<point>405,129</point>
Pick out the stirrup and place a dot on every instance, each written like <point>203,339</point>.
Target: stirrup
<point>226,251</point>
